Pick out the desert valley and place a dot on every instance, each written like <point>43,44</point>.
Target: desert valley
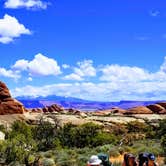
<point>118,131</point>
<point>11,109</point>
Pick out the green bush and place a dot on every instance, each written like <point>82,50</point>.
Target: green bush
<point>162,128</point>
<point>136,127</point>
<point>163,143</point>
<point>88,134</point>
<point>48,162</point>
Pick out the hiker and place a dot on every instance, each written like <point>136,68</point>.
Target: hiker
<point>94,161</point>
<point>147,159</point>
<point>129,160</point>
<point>105,159</point>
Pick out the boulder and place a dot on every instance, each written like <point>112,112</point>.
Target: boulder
<point>45,109</point>
<point>57,108</point>
<point>11,107</point>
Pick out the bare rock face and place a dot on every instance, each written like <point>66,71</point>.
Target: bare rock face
<point>114,110</point>
<point>163,104</point>
<point>139,110</point>
<point>8,105</point>
<point>156,108</point>
<point>4,92</point>
<point>118,110</point>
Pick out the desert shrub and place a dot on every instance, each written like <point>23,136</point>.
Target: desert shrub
<point>130,138</point>
<point>65,157</point>
<point>15,163</point>
<point>162,128</point>
<point>19,144</point>
<point>48,154</point>
<point>19,127</point>
<point>48,162</point>
<point>163,143</point>
<point>118,129</point>
<point>89,134</point>
<point>2,128</point>
<point>18,149</point>
<point>147,146</point>
<point>104,138</point>
<point>46,135</point>
<point>136,127</point>
<point>104,148</point>
<point>114,152</point>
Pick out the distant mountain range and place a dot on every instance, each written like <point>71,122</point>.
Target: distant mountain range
<point>76,103</point>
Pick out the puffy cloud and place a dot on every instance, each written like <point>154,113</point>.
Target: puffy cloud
<point>84,69</point>
<point>99,91</point>
<point>163,66</point>
<point>66,66</point>
<point>21,65</point>
<point>29,79</point>
<point>9,73</point>
<point>29,4</point>
<point>10,29</point>
<point>73,77</point>
<point>123,73</point>
<point>115,83</point>
<point>40,65</point>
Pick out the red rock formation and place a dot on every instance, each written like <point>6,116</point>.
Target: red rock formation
<point>8,105</point>
<point>138,110</point>
<point>163,104</point>
<point>52,109</point>
<point>156,108</point>
<point>117,110</point>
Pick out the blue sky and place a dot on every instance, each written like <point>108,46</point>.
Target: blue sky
<point>98,50</point>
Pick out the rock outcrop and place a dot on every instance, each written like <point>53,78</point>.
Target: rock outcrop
<point>8,105</point>
<point>48,109</point>
<point>163,104</point>
<point>138,110</point>
<point>157,109</point>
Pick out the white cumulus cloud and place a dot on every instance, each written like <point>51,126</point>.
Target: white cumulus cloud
<point>40,65</point>
<point>66,66</point>
<point>123,73</point>
<point>10,29</point>
<point>85,69</point>
<point>112,83</point>
<point>9,73</point>
<point>21,65</point>
<point>29,4</point>
<point>73,77</point>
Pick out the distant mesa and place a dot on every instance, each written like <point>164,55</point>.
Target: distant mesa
<point>9,105</point>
